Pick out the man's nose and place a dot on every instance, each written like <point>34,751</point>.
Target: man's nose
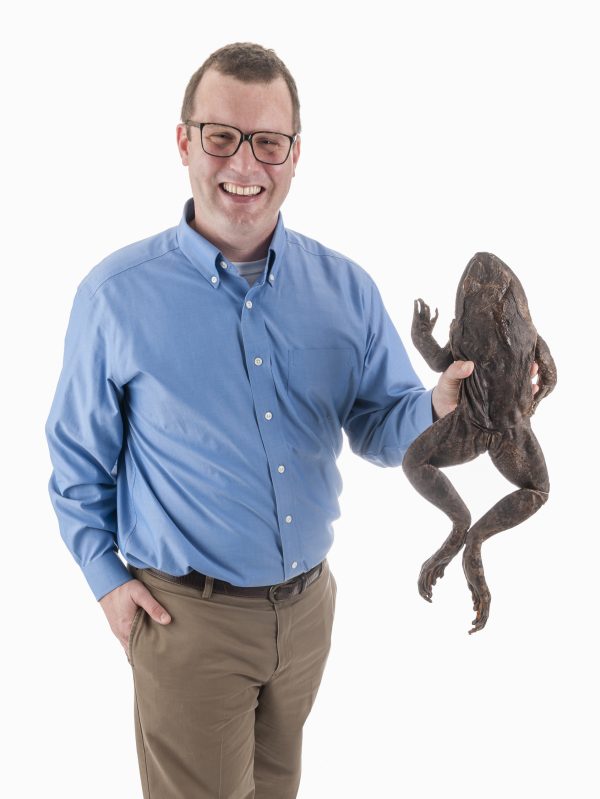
<point>244,159</point>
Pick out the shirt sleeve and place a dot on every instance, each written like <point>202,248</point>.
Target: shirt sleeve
<point>84,431</point>
<point>391,407</point>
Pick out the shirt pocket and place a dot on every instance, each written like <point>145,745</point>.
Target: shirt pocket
<point>321,378</point>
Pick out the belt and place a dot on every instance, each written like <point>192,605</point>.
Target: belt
<point>273,592</point>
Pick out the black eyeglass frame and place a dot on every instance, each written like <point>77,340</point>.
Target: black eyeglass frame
<point>243,137</point>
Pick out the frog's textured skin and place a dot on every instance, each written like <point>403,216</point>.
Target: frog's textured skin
<point>492,327</point>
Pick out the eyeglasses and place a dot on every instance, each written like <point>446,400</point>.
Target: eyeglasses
<point>223,141</point>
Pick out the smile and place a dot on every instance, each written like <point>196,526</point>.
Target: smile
<point>234,188</point>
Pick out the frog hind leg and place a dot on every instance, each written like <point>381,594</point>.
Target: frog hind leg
<point>518,456</point>
<point>450,441</point>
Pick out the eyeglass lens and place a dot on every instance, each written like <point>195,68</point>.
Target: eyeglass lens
<point>222,140</point>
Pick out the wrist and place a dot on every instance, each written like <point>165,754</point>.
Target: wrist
<point>437,407</point>
<point>434,414</point>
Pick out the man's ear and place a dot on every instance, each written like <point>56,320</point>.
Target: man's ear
<point>295,154</point>
<point>183,143</point>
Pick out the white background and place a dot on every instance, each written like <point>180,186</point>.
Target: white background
<point>493,114</point>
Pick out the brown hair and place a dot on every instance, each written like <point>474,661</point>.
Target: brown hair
<point>249,63</point>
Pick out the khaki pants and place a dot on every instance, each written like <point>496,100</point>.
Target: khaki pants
<point>222,692</point>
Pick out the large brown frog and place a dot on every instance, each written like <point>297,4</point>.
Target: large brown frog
<point>492,327</point>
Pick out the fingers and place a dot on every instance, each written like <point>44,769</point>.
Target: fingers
<point>533,373</point>
<point>460,369</point>
<point>152,607</point>
<point>143,599</point>
<point>423,312</point>
<point>445,394</point>
<point>123,603</point>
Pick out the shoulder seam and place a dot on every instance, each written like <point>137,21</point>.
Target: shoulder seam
<point>329,253</point>
<point>132,266</point>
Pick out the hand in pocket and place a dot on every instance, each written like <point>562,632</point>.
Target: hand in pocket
<point>121,605</point>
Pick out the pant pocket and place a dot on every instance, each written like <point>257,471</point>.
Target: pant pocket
<point>134,625</point>
<point>333,589</point>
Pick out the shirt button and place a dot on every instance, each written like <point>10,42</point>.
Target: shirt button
<point>294,564</point>
<point>223,265</point>
<point>248,303</point>
<point>271,278</point>
<point>281,468</point>
<point>258,361</point>
<point>268,415</point>
<point>214,279</point>
<point>288,519</point>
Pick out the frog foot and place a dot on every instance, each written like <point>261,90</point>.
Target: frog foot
<point>431,571</point>
<point>433,568</point>
<point>481,605</point>
<point>423,322</point>
<point>473,569</point>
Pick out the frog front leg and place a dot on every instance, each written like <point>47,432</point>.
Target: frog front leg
<point>518,456</point>
<point>437,358</point>
<point>450,441</point>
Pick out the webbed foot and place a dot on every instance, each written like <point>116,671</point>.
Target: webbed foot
<point>433,568</point>
<point>431,571</point>
<point>481,604</point>
<point>473,569</point>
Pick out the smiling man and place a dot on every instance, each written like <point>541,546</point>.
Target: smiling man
<point>236,196</point>
<point>208,374</point>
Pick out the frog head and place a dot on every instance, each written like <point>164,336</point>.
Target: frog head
<point>485,284</point>
<point>486,274</point>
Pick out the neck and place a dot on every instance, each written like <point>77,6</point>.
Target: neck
<point>244,250</point>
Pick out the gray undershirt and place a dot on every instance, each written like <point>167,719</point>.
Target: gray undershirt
<point>251,270</point>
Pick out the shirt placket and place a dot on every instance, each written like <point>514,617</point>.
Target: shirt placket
<point>257,351</point>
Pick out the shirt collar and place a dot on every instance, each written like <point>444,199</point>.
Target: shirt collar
<point>207,258</point>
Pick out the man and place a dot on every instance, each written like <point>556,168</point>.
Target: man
<point>208,373</point>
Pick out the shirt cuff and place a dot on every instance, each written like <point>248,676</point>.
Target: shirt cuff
<point>106,573</point>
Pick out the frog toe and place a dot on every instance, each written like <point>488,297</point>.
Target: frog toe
<point>424,588</point>
<point>477,624</point>
<point>431,572</point>
<point>481,606</point>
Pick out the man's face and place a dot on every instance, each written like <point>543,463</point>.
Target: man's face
<point>240,225</point>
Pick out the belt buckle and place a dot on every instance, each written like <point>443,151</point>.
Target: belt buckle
<point>292,584</point>
<point>272,591</point>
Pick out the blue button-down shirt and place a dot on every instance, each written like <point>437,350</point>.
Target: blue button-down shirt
<point>197,421</point>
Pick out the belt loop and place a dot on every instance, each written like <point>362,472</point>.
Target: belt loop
<point>208,587</point>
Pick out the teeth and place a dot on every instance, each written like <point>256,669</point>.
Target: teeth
<point>232,188</point>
